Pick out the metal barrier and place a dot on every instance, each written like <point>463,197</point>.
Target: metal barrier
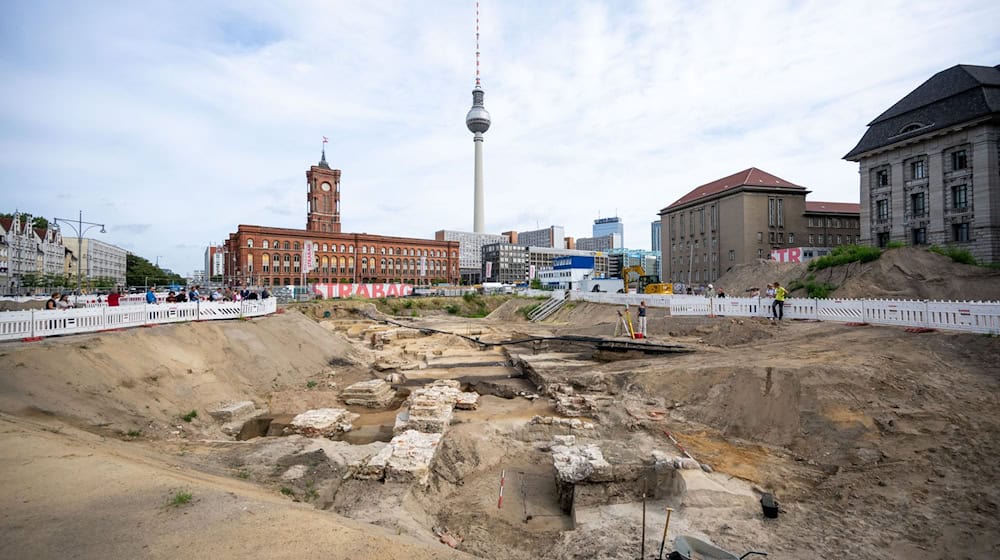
<point>973,316</point>
<point>17,325</point>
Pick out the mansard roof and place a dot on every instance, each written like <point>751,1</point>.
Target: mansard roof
<point>958,95</point>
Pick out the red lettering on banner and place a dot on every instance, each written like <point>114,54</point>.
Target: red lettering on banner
<point>344,290</point>
<point>378,290</point>
<point>795,254</point>
<point>393,290</point>
<point>405,289</point>
<point>362,290</point>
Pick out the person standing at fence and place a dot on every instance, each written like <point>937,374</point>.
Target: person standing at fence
<point>264,294</point>
<point>778,307</point>
<point>64,303</point>
<point>114,298</point>
<point>53,302</point>
<point>642,318</point>
<point>194,295</point>
<point>150,295</point>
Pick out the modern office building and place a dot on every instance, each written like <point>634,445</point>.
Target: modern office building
<point>543,258</point>
<point>604,243</point>
<point>505,262</point>
<point>552,236</point>
<point>567,271</point>
<point>214,262</point>
<point>654,229</point>
<point>470,251</point>
<point>98,260</point>
<point>930,165</point>
<point>610,226</point>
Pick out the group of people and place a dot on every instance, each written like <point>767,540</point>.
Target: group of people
<point>194,294</point>
<point>58,301</point>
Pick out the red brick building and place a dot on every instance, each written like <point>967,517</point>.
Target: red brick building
<point>268,256</point>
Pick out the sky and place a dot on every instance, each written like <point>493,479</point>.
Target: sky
<point>174,122</point>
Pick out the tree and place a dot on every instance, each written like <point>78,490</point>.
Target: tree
<point>141,272</point>
<point>536,284</point>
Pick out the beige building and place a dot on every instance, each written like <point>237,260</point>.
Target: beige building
<point>930,165</point>
<point>737,219</point>
<point>97,259</point>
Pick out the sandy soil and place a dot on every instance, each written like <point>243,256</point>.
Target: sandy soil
<point>879,443</point>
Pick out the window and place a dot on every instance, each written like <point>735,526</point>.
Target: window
<point>701,214</point>
<point>960,196</point>
<point>297,246</point>
<point>770,213</point>
<point>821,238</point>
<point>325,248</point>
<point>882,210</point>
<point>265,244</point>
<point>849,240</point>
<point>960,232</point>
<point>770,237</point>
<point>781,212</point>
<point>732,255</point>
<point>959,160</point>
<point>760,253</point>
<point>918,169</point>
<point>812,239</point>
<point>840,240</point>
<point>691,222</point>
<point>781,237</point>
<point>760,236</point>
<point>715,217</point>
<point>250,243</point>
<point>918,203</point>
<point>920,236</point>
<point>286,245</point>
<point>791,238</point>
<point>882,178</point>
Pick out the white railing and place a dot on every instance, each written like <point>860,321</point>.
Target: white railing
<point>16,325</point>
<point>978,317</point>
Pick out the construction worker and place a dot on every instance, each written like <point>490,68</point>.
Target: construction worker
<point>642,318</point>
<point>778,307</point>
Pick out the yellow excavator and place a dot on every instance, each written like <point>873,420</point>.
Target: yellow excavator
<point>646,284</point>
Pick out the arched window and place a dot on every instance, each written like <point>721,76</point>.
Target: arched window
<point>265,262</point>
<point>315,247</point>
<point>250,262</point>
<point>350,249</point>
<point>295,258</point>
<point>286,245</point>
<point>343,265</point>
<point>350,263</point>
<point>326,264</point>
<point>297,246</point>
<point>364,250</point>
<point>382,250</point>
<point>343,249</point>
<point>324,247</point>
<point>250,242</point>
<point>364,264</point>
<point>264,244</point>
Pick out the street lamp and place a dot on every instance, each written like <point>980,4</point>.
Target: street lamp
<point>80,232</point>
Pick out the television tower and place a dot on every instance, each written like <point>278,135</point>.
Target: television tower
<point>478,121</point>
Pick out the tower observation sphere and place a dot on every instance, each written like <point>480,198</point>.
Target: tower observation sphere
<point>478,119</point>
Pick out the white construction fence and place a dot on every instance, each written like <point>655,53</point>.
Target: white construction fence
<point>18,325</point>
<point>968,316</point>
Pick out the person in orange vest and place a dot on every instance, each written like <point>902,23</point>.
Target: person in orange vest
<point>778,307</point>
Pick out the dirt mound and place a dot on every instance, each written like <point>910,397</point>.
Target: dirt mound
<point>737,281</point>
<point>911,273</point>
<point>150,376</point>
<point>903,273</point>
<point>510,310</point>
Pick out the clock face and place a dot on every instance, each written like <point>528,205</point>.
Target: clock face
<point>325,186</point>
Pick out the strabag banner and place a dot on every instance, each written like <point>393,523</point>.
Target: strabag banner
<point>362,290</point>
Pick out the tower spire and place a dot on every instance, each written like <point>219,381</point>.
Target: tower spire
<point>478,121</point>
<point>477,44</point>
<point>322,159</point>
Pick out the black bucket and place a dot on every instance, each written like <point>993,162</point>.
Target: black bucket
<point>769,505</point>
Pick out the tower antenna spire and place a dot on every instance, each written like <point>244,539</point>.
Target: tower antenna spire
<point>477,43</point>
<point>478,121</point>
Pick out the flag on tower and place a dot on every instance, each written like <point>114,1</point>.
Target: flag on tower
<point>324,140</point>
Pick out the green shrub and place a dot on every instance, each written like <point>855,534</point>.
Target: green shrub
<point>527,310</point>
<point>310,384</point>
<point>895,245</point>
<point>180,498</point>
<point>956,254</point>
<point>452,309</point>
<point>795,285</point>
<point>190,416</point>
<point>287,491</point>
<point>846,254</point>
<point>819,290</point>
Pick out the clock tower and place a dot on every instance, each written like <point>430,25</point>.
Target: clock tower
<point>323,197</point>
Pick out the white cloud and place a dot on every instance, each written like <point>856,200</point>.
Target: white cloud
<point>194,118</point>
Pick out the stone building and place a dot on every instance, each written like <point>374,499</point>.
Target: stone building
<point>268,256</point>
<point>735,220</point>
<point>97,260</point>
<point>929,165</point>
